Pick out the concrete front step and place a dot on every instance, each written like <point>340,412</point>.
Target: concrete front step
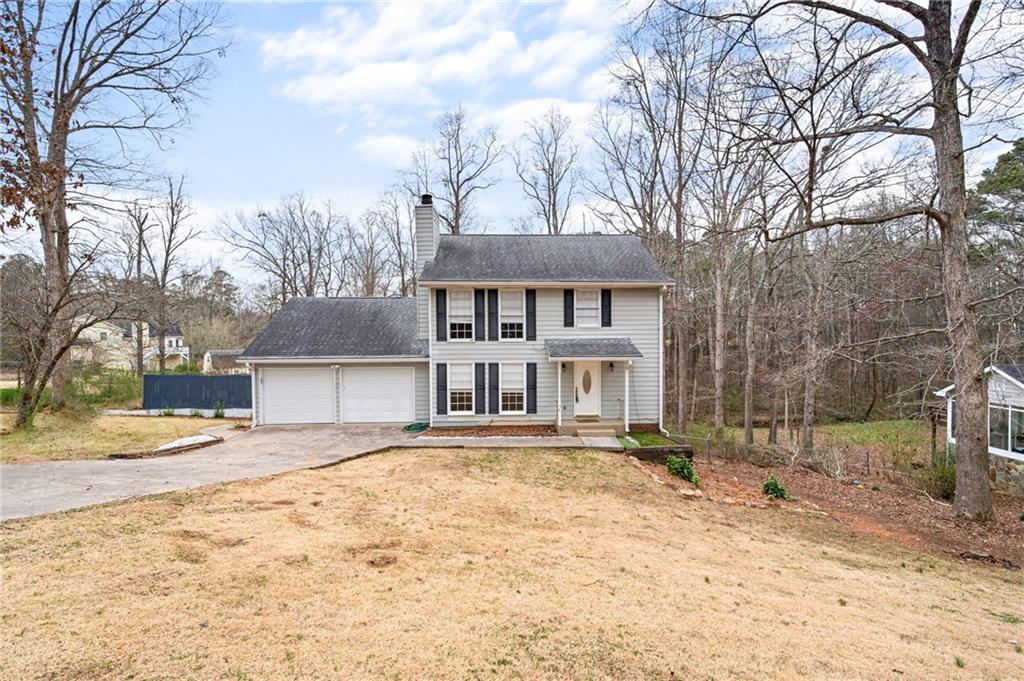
<point>595,432</point>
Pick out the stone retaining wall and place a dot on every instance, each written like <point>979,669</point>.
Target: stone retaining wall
<point>1007,475</point>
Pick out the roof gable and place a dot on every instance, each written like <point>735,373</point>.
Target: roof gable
<point>572,258</point>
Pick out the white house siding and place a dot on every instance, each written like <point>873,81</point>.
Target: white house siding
<point>1003,391</point>
<point>422,393</point>
<point>635,315</point>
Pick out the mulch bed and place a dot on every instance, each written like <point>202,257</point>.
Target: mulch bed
<point>888,510</point>
<point>491,431</point>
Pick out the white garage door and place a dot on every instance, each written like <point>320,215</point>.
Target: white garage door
<point>377,394</point>
<point>298,395</point>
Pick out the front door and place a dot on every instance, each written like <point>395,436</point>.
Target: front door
<point>587,388</point>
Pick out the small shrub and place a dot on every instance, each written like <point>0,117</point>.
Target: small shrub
<point>195,413</point>
<point>939,481</point>
<point>773,489</point>
<point>218,410</point>
<point>167,412</point>
<point>681,467</point>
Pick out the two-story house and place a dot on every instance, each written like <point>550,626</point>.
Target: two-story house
<point>504,329</point>
<point>112,344</point>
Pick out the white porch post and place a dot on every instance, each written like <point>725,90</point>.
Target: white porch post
<point>558,401</point>
<point>628,364</point>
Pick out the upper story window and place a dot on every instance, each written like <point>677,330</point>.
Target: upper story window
<point>512,303</point>
<point>103,335</point>
<point>588,308</point>
<point>460,389</point>
<point>460,314</point>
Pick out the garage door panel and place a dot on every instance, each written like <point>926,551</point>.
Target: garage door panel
<point>298,395</point>
<point>378,394</point>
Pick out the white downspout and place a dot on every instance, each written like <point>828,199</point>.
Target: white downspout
<point>661,361</point>
<point>628,364</point>
<point>558,382</point>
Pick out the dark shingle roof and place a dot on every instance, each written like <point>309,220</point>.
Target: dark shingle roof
<point>169,330</point>
<point>1014,370</point>
<point>591,347</point>
<point>565,258</point>
<point>341,327</point>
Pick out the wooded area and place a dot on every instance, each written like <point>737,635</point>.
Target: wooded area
<point>799,167</point>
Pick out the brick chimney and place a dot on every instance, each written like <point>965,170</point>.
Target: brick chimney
<point>427,232</point>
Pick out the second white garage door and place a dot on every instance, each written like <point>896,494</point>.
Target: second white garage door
<point>377,394</point>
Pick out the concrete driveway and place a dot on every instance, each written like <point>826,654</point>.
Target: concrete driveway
<point>30,489</point>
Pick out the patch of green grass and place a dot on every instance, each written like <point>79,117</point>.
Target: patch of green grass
<point>1007,617</point>
<point>959,662</point>
<point>875,433</point>
<point>651,439</point>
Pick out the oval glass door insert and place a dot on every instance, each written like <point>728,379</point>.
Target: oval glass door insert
<point>586,382</point>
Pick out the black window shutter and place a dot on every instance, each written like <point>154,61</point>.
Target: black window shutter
<point>442,388</point>
<point>478,314</point>
<point>492,314</point>
<point>606,307</point>
<point>569,308</point>
<point>441,302</point>
<point>531,387</point>
<point>492,388</point>
<point>479,396</point>
<point>531,314</point>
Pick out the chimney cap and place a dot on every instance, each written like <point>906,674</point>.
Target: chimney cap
<point>426,200</point>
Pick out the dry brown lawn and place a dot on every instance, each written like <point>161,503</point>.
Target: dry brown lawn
<point>92,436</point>
<point>452,564</point>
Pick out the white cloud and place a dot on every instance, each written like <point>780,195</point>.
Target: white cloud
<point>367,61</point>
<point>392,150</point>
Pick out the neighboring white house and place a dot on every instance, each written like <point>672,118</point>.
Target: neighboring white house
<point>111,343</point>
<point>504,329</point>
<point>1005,424</point>
<point>223,362</point>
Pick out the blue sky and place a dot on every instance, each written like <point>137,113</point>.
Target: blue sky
<point>329,98</point>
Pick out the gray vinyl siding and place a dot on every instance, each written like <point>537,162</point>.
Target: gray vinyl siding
<point>422,393</point>
<point>1003,391</point>
<point>422,312</point>
<point>635,315</point>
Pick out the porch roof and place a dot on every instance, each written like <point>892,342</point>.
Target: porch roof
<point>591,348</point>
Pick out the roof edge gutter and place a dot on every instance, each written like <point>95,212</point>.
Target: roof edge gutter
<point>382,359</point>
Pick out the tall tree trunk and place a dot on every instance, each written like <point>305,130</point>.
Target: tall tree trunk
<point>973,495</point>
<point>810,392</point>
<point>719,349</point>
<point>748,377</point>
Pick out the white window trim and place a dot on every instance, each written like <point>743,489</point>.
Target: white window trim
<point>576,308</point>
<point>448,318</point>
<point>512,340</point>
<point>501,372</point>
<point>472,389</point>
<point>1007,453</point>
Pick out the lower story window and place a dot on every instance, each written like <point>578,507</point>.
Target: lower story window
<point>460,389</point>
<point>512,391</point>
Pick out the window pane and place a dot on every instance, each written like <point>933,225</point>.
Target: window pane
<point>1017,432</point>
<point>588,308</point>
<point>460,330</point>
<point>998,426</point>
<point>461,400</point>
<point>512,401</point>
<point>461,376</point>
<point>460,303</point>
<point>511,329</point>
<point>511,377</point>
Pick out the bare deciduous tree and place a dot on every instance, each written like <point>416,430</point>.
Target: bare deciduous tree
<point>546,163</point>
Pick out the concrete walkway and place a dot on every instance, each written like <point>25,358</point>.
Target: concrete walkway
<point>30,489</point>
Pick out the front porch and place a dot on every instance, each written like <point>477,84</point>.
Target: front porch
<point>593,385</point>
